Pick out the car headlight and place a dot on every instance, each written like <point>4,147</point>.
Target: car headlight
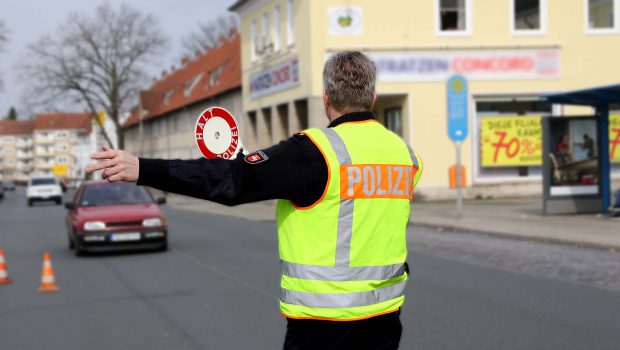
<point>151,222</point>
<point>94,225</point>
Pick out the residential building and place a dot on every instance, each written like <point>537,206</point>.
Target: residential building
<point>16,150</point>
<point>163,124</point>
<point>62,144</point>
<point>510,51</point>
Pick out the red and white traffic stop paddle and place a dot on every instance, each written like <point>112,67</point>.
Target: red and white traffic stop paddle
<point>217,134</point>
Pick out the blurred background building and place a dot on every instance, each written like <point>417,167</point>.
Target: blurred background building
<point>162,125</point>
<point>55,143</point>
<point>16,150</point>
<point>510,51</point>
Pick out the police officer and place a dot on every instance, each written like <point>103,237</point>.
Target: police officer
<point>343,205</point>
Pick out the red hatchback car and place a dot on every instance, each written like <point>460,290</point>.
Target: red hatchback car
<point>115,216</point>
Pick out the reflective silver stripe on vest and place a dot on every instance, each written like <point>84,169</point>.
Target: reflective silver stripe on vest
<point>345,215</point>
<point>414,159</point>
<point>343,300</point>
<point>331,273</point>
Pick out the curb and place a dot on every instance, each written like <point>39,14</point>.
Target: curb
<point>519,237</point>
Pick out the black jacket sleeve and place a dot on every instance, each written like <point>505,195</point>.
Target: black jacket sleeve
<point>294,169</point>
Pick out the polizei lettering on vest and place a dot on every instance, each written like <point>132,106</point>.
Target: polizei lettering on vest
<point>377,181</point>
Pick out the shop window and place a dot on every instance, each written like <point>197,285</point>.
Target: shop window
<point>394,120</point>
<point>290,23</point>
<point>253,129</point>
<point>454,17</point>
<point>283,125</point>
<point>276,28</point>
<point>528,16</point>
<point>254,33</point>
<point>499,121</point>
<point>602,15</point>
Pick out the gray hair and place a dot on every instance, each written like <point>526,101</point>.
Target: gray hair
<point>349,80</point>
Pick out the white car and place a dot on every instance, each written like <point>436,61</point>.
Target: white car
<point>43,188</point>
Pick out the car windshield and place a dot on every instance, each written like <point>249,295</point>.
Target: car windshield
<point>112,194</point>
<point>43,181</point>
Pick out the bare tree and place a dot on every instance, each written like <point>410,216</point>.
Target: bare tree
<point>96,61</point>
<point>208,34</point>
<point>4,37</point>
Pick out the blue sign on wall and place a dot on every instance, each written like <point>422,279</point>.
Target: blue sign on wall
<point>458,111</point>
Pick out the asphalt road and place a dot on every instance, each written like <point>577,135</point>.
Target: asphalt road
<point>217,288</point>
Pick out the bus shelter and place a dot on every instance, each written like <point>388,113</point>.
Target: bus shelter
<point>576,153</point>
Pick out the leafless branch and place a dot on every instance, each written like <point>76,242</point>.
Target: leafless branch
<point>96,61</point>
<point>208,34</point>
<point>4,38</point>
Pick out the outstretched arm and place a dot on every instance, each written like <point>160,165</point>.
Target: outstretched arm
<point>293,170</point>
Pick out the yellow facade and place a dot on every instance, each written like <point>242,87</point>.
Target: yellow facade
<point>582,57</point>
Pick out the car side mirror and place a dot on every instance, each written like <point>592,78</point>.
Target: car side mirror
<point>161,200</point>
<point>69,205</point>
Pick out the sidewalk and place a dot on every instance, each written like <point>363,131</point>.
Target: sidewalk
<point>510,218</point>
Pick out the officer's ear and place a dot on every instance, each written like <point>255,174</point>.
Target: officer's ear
<point>325,99</point>
<point>374,99</point>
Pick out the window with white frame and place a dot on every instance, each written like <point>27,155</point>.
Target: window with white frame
<point>265,40</point>
<point>602,15</point>
<point>528,16</point>
<point>453,17</point>
<point>276,28</point>
<point>290,23</point>
<point>254,34</point>
<point>61,135</point>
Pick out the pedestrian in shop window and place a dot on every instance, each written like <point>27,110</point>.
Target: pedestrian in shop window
<point>344,194</point>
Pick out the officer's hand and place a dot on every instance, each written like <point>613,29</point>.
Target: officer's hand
<point>119,165</point>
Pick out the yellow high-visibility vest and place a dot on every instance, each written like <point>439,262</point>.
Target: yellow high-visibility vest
<point>343,257</point>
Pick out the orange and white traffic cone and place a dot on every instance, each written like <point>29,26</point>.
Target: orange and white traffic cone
<point>4,274</point>
<point>48,282</point>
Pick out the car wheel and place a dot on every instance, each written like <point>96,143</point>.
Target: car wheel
<point>59,201</point>
<point>30,202</point>
<point>78,249</point>
<point>164,246</point>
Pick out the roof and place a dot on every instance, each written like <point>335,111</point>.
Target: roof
<point>237,4</point>
<point>16,127</point>
<point>63,121</point>
<point>589,97</point>
<point>213,72</point>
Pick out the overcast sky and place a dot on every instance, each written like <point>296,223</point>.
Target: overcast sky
<point>30,19</point>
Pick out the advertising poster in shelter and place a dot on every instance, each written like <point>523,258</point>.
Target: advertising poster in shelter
<point>574,156</point>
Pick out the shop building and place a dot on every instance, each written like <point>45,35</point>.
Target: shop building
<point>162,124</point>
<point>510,51</point>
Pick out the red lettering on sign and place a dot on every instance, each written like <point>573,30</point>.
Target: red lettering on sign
<point>513,145</point>
<point>615,141</point>
<point>492,64</point>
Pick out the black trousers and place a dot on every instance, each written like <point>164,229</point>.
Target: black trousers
<point>376,333</point>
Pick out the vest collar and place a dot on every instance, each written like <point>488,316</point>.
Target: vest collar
<point>352,117</point>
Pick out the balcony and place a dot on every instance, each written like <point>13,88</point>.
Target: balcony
<point>25,168</point>
<point>44,165</point>
<point>24,144</point>
<point>42,152</point>
<point>40,139</point>
<point>24,155</point>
